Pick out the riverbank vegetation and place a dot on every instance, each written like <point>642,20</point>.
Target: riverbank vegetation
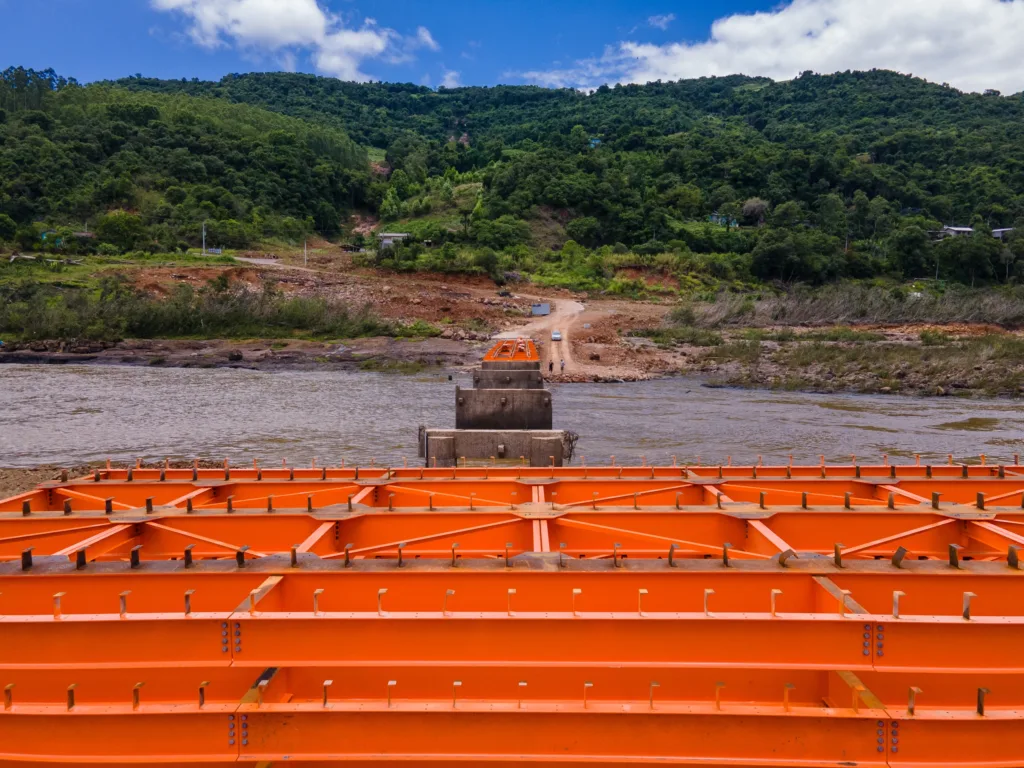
<point>112,310</point>
<point>967,366</point>
<point>857,303</point>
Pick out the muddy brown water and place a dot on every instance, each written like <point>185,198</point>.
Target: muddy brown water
<point>77,414</point>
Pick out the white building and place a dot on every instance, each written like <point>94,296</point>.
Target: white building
<point>956,231</point>
<point>389,239</point>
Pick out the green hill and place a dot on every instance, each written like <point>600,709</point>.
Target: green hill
<point>827,177</point>
<point>144,170</point>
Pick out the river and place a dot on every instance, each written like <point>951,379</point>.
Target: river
<point>68,415</point>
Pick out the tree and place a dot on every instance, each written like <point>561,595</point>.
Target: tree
<point>880,217</point>
<point>754,210</point>
<point>968,259</point>
<point>789,214</point>
<point>7,228</point>
<point>1014,249</point>
<point>120,228</point>
<point>503,232</point>
<point>175,195</point>
<point>910,249</point>
<point>27,238</point>
<point>391,207</point>
<point>832,215</point>
<point>585,230</point>
<point>579,140</point>
<point>783,254</point>
<point>227,234</point>
<point>487,261</point>
<point>859,215</point>
<point>687,199</point>
<point>400,183</point>
<point>447,193</point>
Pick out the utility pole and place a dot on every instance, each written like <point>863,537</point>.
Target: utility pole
<point>204,238</point>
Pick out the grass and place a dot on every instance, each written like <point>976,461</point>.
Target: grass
<point>842,333</point>
<point>740,351</point>
<point>417,329</point>
<point>477,325</point>
<point>782,336</point>
<point>404,367</point>
<point>935,338</point>
<point>988,364</point>
<point>685,334</point>
<point>95,268</point>
<point>113,310</point>
<point>847,304</point>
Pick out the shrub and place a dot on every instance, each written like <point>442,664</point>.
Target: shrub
<point>935,338</point>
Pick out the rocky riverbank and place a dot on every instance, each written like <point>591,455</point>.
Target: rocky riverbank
<point>376,353</point>
<point>940,362</point>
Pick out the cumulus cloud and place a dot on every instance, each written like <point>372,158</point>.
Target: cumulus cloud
<point>424,38</point>
<point>451,79</point>
<point>283,27</point>
<point>970,44</point>
<point>341,52</point>
<point>267,23</point>
<point>661,21</point>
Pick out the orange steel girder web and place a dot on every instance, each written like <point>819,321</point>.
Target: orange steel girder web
<point>705,616</point>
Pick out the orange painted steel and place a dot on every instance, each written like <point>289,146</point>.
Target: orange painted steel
<point>867,614</point>
<point>512,351</point>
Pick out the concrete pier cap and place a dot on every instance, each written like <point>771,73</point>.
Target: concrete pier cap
<point>507,416</point>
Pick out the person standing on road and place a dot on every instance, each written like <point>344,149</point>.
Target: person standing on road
<point>563,365</point>
<point>551,366</point>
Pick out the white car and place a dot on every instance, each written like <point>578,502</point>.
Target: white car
<point>556,335</point>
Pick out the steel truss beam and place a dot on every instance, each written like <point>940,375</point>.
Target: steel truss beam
<point>618,615</point>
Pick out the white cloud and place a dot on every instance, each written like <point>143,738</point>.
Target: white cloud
<point>266,23</point>
<point>426,39</point>
<point>341,52</point>
<point>451,79</point>
<point>970,44</point>
<point>661,21</point>
<point>285,27</point>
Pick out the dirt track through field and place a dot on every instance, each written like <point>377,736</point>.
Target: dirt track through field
<point>564,313</point>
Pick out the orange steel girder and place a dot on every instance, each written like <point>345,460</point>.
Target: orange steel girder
<point>787,615</point>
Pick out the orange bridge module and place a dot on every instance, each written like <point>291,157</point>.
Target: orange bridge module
<point>858,614</point>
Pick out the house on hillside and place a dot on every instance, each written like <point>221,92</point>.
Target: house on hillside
<point>942,234</point>
<point>722,220</point>
<point>391,239</point>
<point>954,232</point>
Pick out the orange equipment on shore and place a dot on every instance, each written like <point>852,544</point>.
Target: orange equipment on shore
<point>512,351</point>
<point>854,614</point>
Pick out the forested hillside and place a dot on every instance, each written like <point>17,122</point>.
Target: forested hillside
<point>816,179</point>
<point>837,176</point>
<point>143,171</point>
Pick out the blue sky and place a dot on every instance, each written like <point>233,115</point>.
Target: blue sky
<point>968,43</point>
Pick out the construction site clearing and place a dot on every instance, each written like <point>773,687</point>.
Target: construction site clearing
<point>863,614</point>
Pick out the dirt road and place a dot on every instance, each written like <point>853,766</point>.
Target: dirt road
<point>563,314</point>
